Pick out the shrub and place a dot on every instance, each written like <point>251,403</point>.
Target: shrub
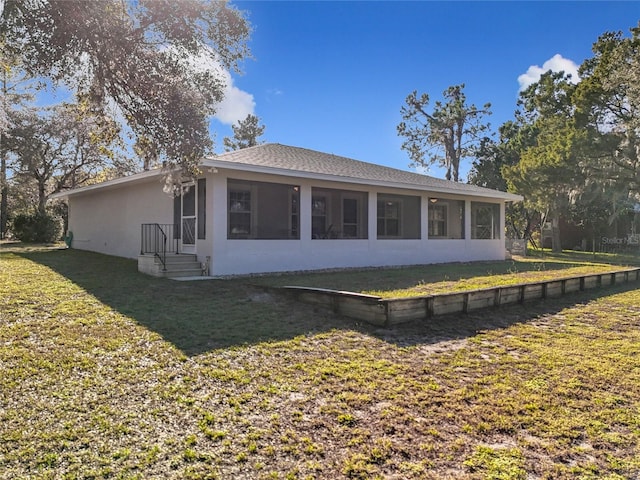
<point>37,227</point>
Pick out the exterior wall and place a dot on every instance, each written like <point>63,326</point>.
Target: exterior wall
<point>238,256</point>
<point>108,221</point>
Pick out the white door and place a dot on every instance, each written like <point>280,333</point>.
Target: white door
<point>188,222</point>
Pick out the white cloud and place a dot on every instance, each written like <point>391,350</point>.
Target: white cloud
<point>236,104</point>
<point>557,63</point>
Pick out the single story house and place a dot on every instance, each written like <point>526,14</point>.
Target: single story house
<point>273,208</point>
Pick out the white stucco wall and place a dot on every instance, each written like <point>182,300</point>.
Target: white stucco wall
<point>108,221</point>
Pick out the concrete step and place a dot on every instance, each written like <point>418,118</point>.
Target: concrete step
<point>182,258</point>
<point>176,266</point>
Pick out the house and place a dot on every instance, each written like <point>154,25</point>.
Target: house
<point>273,207</point>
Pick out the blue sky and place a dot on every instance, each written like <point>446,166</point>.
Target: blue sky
<point>332,76</point>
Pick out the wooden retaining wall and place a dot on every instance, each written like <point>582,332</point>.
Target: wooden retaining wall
<point>393,311</point>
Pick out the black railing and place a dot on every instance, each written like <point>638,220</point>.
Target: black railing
<point>159,239</point>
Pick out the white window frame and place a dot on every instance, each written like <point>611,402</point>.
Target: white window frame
<point>399,202</point>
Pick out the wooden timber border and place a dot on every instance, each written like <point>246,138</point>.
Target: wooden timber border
<point>392,311</point>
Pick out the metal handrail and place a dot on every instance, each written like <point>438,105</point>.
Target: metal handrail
<point>154,240</point>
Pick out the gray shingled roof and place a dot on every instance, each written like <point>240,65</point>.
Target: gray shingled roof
<point>304,161</point>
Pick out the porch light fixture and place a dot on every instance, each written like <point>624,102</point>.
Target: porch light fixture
<point>433,200</point>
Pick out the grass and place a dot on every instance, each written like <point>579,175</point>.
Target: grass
<point>429,279</point>
<point>106,373</point>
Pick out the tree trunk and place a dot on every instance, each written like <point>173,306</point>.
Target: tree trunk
<point>4,189</point>
<point>556,244</point>
<point>4,192</point>
<point>42,197</point>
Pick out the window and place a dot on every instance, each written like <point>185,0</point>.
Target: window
<point>189,201</point>
<point>350,217</point>
<point>261,210</point>
<point>338,214</point>
<point>485,221</point>
<point>295,212</point>
<point>446,218</point>
<point>438,221</point>
<point>398,216</point>
<point>389,218</point>
<point>319,217</point>
<point>239,213</point>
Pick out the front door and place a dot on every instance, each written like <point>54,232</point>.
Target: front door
<point>188,223</point>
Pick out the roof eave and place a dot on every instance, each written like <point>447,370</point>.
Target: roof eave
<point>116,182</point>
<point>213,163</point>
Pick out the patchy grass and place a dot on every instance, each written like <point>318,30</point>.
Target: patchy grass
<point>492,280</point>
<point>439,278</point>
<point>105,373</point>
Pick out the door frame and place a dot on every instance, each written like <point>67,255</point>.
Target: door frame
<point>188,247</point>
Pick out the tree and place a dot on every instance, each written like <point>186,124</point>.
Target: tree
<point>15,90</point>
<point>147,150</point>
<point>547,172</point>
<point>60,147</point>
<point>608,100</point>
<point>487,171</point>
<point>245,134</point>
<point>447,135</point>
<point>144,57</point>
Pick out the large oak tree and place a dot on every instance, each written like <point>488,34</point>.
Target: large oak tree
<point>142,59</point>
<point>608,102</point>
<point>59,147</point>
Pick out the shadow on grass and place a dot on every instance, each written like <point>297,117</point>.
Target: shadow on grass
<point>200,316</point>
<point>196,317</point>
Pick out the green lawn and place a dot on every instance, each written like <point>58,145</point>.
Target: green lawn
<point>106,373</point>
<point>441,278</point>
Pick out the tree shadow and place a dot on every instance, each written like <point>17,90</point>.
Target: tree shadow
<point>195,316</point>
<point>201,316</point>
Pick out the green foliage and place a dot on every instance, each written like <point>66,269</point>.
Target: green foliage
<point>146,57</point>
<point>492,159</point>
<point>245,134</point>
<point>447,135</point>
<point>547,172</point>
<point>60,147</point>
<point>546,169</point>
<point>580,157</point>
<point>37,227</point>
<point>608,101</point>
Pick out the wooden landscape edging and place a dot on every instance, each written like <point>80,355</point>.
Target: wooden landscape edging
<point>392,311</point>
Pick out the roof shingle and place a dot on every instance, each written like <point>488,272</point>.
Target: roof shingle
<point>305,161</point>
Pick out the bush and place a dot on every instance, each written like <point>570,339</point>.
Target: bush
<point>36,228</point>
